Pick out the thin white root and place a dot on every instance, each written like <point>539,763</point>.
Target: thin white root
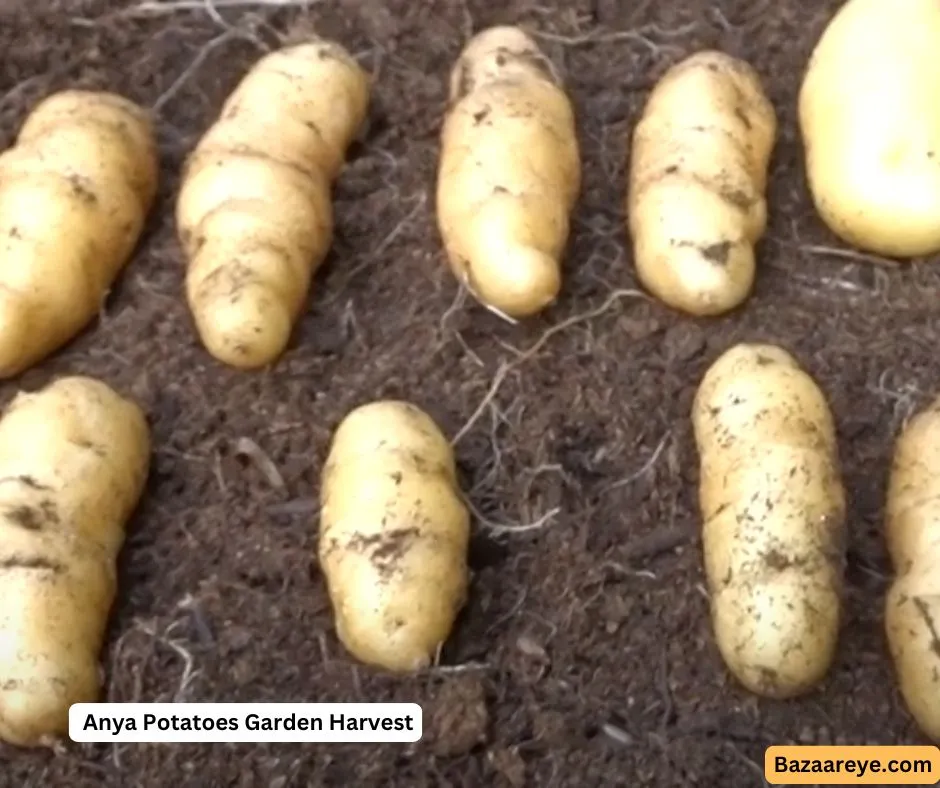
<point>499,529</point>
<point>209,6</point>
<point>646,468</point>
<point>223,38</point>
<point>521,356</point>
<point>189,672</point>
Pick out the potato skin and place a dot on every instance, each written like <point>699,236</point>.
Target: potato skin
<point>912,530</point>
<point>773,508</point>
<point>695,200</point>
<point>254,213</point>
<point>74,459</point>
<point>394,534</point>
<point>871,126</point>
<point>75,192</point>
<point>509,173</point>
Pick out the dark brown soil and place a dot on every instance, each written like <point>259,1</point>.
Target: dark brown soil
<point>585,655</point>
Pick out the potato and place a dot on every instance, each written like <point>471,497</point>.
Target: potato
<point>695,199</point>
<point>254,212</point>
<point>394,534</point>
<point>871,126</point>
<point>75,192</point>
<point>912,529</point>
<point>509,173</point>
<point>773,508</point>
<point>74,459</point>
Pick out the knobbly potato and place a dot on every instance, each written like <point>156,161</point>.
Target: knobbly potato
<point>74,458</point>
<point>912,526</point>
<point>254,213</point>
<point>696,204</point>
<point>394,534</point>
<point>75,192</point>
<point>773,510</point>
<point>509,173</point>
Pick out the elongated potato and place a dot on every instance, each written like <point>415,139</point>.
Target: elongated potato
<point>870,123</point>
<point>75,192</point>
<point>912,529</point>
<point>695,201</point>
<point>509,173</point>
<point>74,459</point>
<point>254,212</point>
<point>394,534</point>
<point>773,508</point>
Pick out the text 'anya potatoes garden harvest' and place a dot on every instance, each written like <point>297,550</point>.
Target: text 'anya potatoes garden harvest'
<point>245,722</point>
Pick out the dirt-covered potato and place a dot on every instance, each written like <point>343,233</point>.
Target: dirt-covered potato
<point>912,529</point>
<point>773,510</point>
<point>254,212</point>
<point>509,173</point>
<point>394,533</point>
<point>74,458</point>
<point>870,123</point>
<point>75,192</point>
<point>696,203</point>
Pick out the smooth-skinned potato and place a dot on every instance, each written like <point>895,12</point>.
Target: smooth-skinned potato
<point>509,173</point>
<point>912,529</point>
<point>74,458</point>
<point>695,200</point>
<point>394,533</point>
<point>254,212</point>
<point>75,191</point>
<point>773,509</point>
<point>870,124</point>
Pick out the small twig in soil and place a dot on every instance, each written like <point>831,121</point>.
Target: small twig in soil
<point>465,667</point>
<point>617,734</point>
<point>246,447</point>
<point>655,543</point>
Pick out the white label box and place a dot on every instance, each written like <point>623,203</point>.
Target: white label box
<point>245,722</point>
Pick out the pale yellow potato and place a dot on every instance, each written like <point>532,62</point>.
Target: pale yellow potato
<point>509,173</point>
<point>870,123</point>
<point>74,459</point>
<point>695,203</point>
<point>254,212</point>
<point>773,510</point>
<point>912,530</point>
<point>394,534</point>
<point>75,192</point>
